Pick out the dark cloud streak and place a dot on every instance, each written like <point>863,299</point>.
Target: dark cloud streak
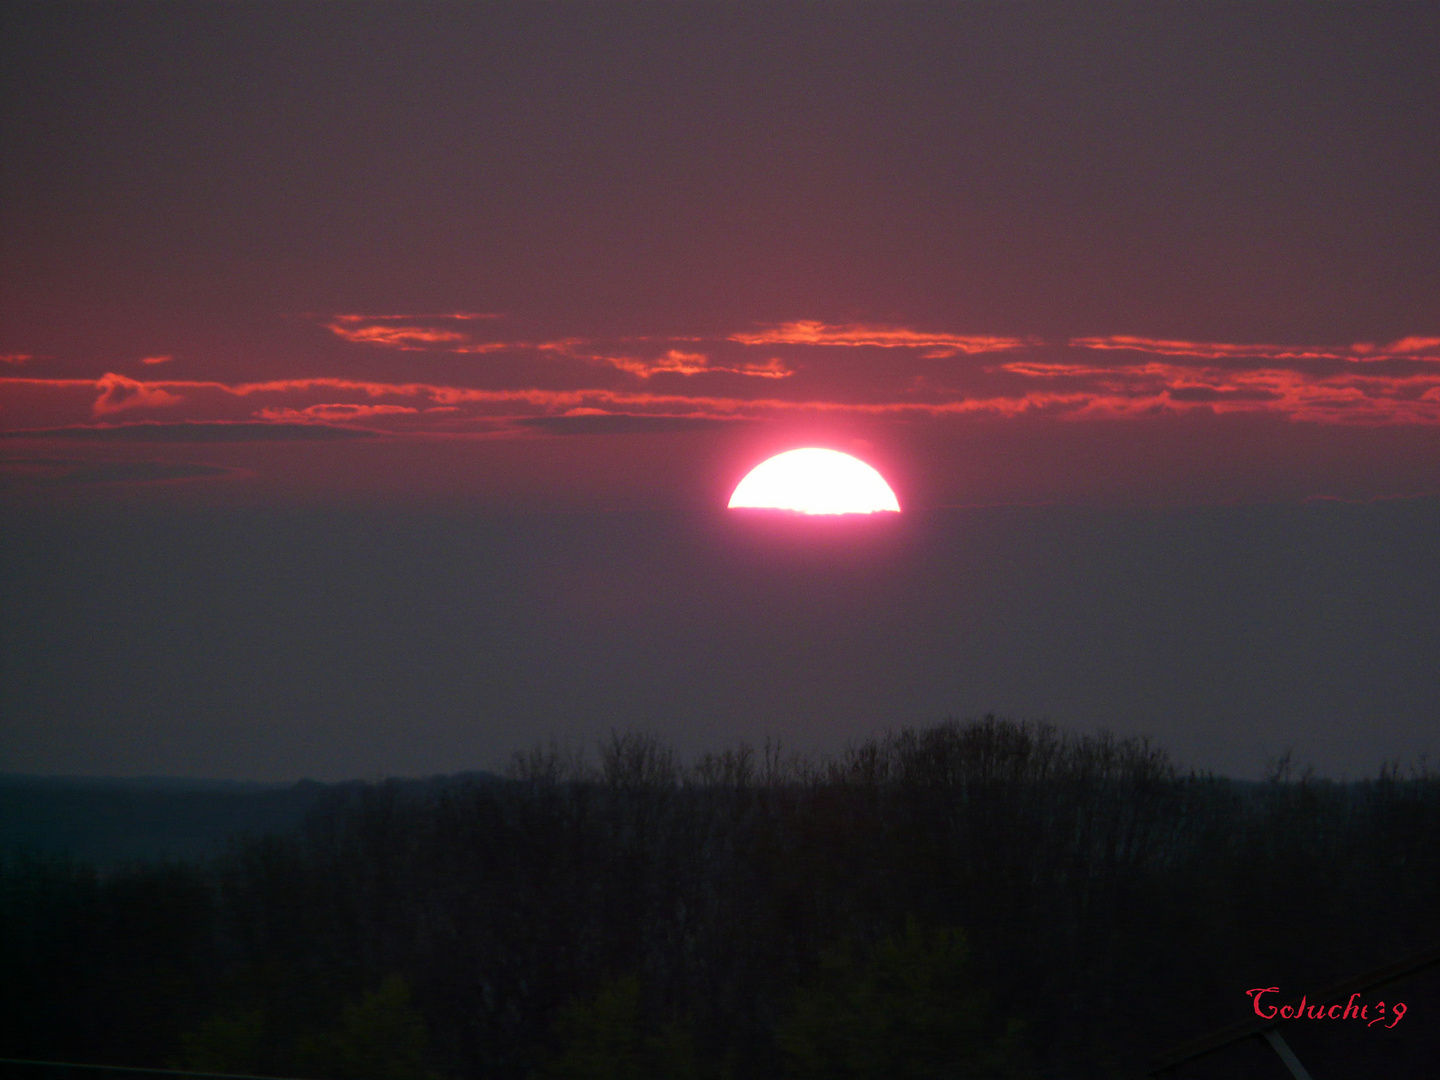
<point>195,431</point>
<point>124,472</point>
<point>621,424</point>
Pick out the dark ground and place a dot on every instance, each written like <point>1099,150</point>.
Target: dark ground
<point>990,899</point>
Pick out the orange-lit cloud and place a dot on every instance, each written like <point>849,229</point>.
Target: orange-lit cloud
<point>117,393</point>
<point>453,333</point>
<point>1207,350</point>
<point>331,411</point>
<point>1086,378</point>
<point>1411,345</point>
<point>404,337</point>
<point>1084,390</point>
<point>774,368</point>
<point>805,332</point>
<point>1218,350</point>
<point>673,362</point>
<point>1350,392</point>
<point>413,332</point>
<point>677,362</point>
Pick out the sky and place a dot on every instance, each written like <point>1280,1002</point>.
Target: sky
<point>373,378</point>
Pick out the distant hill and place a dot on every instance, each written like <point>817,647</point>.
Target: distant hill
<point>110,820</point>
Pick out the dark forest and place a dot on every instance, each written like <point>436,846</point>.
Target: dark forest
<point>987,899</point>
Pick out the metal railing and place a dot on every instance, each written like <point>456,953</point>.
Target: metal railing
<point>1268,1029</point>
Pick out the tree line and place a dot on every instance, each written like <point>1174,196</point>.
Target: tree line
<point>982,899</point>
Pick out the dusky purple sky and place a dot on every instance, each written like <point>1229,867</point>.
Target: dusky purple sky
<point>1135,305</point>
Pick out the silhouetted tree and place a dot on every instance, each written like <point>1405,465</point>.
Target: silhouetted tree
<point>771,914</point>
<point>906,1009</point>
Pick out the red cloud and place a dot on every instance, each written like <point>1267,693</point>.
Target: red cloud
<point>1220,350</point>
<point>413,332</point>
<point>1114,376</point>
<point>774,368</point>
<point>1088,391</point>
<point>404,337</point>
<point>331,411</point>
<point>1207,350</point>
<point>887,337</point>
<point>1412,345</point>
<point>676,362</point>
<point>117,393</point>
<point>1351,393</point>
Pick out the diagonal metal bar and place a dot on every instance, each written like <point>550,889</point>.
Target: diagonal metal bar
<point>1281,1047</point>
<point>1339,992</point>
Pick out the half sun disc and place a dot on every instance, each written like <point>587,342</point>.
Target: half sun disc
<point>815,481</point>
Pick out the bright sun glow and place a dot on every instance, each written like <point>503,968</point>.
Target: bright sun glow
<point>815,481</point>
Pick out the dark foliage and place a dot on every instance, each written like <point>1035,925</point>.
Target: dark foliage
<point>989,899</point>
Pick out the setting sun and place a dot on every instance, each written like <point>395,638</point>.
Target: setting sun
<point>815,481</point>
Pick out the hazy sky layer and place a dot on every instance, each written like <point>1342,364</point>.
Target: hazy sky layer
<point>274,645</point>
<point>1093,286</point>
